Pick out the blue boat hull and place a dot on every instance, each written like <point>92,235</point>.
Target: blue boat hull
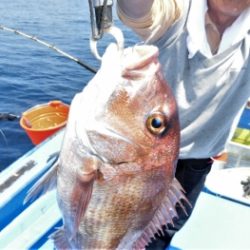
<point>29,226</point>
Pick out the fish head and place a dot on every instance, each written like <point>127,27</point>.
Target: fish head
<point>130,114</point>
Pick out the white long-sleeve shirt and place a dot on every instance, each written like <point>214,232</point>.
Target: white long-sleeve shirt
<point>209,88</point>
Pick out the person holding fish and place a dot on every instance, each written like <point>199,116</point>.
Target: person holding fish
<point>204,53</point>
<point>148,106</point>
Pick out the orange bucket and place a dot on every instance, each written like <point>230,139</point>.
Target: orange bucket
<point>43,120</point>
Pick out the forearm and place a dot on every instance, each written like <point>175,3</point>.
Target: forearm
<point>149,18</point>
<point>135,8</point>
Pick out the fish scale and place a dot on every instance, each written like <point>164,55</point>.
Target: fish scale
<point>115,213</point>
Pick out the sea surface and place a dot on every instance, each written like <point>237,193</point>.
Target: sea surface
<point>31,74</point>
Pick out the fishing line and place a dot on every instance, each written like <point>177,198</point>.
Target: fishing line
<point>4,137</point>
<point>50,46</point>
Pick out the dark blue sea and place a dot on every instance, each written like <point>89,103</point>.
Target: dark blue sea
<point>31,74</point>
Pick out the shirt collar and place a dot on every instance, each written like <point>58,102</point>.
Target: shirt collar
<point>236,32</point>
<point>197,39</point>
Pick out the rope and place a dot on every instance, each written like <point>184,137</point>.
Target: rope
<point>50,46</point>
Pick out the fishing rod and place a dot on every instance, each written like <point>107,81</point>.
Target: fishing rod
<point>101,21</point>
<point>11,117</point>
<point>50,46</point>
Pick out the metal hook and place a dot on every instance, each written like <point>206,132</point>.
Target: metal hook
<point>116,33</point>
<point>102,22</point>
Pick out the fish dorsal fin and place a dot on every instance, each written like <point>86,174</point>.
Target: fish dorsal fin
<point>164,215</point>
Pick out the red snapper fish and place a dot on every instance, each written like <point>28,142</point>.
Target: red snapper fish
<point>115,179</point>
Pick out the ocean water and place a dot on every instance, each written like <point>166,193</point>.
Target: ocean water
<point>31,74</point>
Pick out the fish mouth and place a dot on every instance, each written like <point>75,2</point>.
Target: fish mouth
<point>138,59</point>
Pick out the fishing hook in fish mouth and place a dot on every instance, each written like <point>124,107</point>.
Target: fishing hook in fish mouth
<point>113,31</point>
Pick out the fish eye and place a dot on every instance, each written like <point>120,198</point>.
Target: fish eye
<point>157,123</point>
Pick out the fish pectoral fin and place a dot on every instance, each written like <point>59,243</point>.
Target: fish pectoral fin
<point>46,183</point>
<point>81,195</point>
<point>164,215</point>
